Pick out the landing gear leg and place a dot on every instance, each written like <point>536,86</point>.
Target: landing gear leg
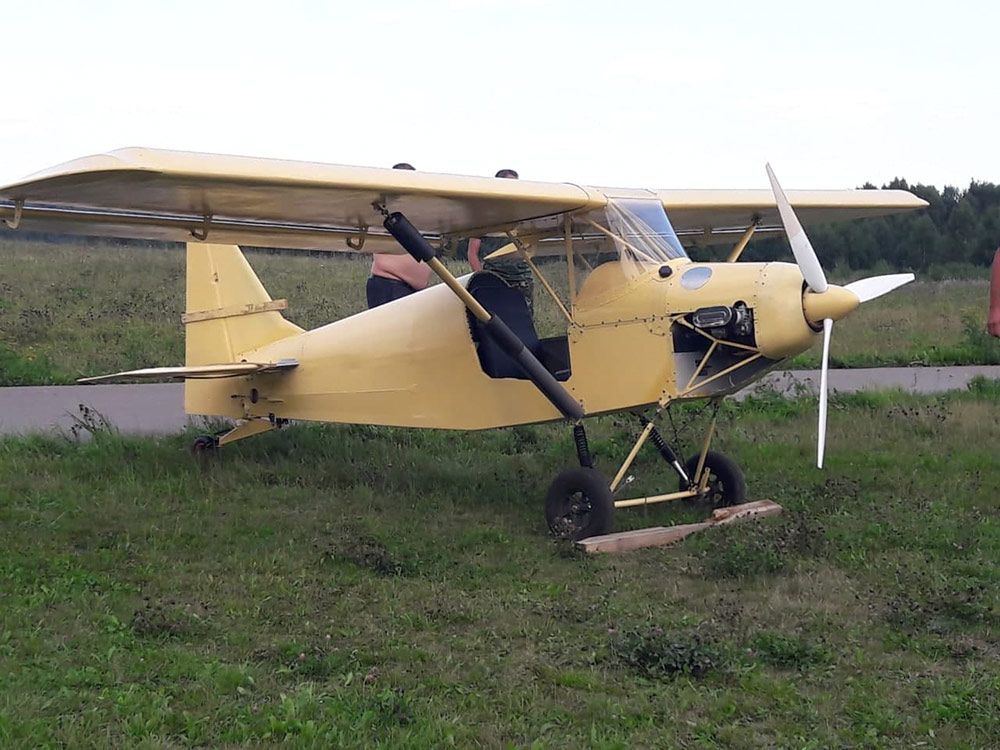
<point>582,446</point>
<point>204,444</point>
<point>716,478</point>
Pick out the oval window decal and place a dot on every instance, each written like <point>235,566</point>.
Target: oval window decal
<point>696,278</point>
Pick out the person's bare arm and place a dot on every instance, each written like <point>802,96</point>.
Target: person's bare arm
<point>993,321</point>
<point>474,255</point>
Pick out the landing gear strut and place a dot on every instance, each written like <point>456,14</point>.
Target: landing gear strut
<point>580,502</point>
<point>720,484</point>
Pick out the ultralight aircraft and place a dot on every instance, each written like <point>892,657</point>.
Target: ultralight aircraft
<point>645,326</point>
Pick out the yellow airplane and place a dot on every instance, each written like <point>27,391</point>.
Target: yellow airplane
<point>645,326</point>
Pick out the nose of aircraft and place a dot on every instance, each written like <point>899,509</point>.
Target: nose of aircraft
<point>835,303</point>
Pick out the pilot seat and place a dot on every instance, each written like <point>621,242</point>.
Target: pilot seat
<point>507,303</point>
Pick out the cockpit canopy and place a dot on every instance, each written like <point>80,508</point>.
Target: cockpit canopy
<point>643,235</point>
<point>634,233</point>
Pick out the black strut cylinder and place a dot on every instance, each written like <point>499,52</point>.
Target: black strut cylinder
<point>408,236</point>
<point>665,450</point>
<point>417,245</point>
<point>661,445</point>
<point>507,340</point>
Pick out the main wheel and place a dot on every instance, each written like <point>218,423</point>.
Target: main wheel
<point>726,485</point>
<point>579,504</point>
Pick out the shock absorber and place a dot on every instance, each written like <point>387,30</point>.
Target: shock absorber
<point>582,447</point>
<point>666,452</point>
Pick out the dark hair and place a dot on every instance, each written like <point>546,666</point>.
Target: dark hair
<point>403,165</point>
<point>510,174</point>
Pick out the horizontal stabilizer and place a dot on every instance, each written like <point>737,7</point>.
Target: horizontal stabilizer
<point>228,370</point>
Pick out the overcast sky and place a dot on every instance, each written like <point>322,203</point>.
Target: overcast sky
<point>655,94</point>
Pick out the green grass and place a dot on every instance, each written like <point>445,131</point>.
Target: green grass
<point>358,586</point>
<point>67,312</point>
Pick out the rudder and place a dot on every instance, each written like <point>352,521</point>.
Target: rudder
<point>228,311</point>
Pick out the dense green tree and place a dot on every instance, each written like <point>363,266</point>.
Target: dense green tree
<point>956,227</point>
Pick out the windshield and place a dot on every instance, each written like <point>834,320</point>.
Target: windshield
<point>644,232</point>
<point>634,232</point>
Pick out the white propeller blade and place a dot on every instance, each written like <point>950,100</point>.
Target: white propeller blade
<point>876,286</point>
<point>802,249</point>
<point>821,438</point>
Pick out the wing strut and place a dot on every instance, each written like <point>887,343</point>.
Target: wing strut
<point>416,245</point>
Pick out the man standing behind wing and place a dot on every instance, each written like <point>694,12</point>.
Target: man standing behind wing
<point>395,276</point>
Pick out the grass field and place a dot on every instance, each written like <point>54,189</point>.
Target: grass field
<point>66,312</point>
<point>354,587</point>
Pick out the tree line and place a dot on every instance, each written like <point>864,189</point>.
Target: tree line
<point>957,227</point>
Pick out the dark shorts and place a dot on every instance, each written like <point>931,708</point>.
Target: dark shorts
<point>381,290</point>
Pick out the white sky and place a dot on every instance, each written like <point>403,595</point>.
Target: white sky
<point>637,94</point>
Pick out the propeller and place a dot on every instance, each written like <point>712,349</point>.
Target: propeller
<point>876,286</point>
<point>834,301</point>
<point>802,248</point>
<point>823,393</point>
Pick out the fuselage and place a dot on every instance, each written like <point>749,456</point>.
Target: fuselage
<point>413,362</point>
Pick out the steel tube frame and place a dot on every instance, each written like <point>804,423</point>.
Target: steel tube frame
<point>700,474</point>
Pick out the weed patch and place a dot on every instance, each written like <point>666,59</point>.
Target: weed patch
<point>169,618</point>
<point>663,654</point>
<point>28,368</point>
<point>369,553</point>
<point>789,651</point>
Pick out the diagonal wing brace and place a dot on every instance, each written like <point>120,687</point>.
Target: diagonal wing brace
<point>416,245</point>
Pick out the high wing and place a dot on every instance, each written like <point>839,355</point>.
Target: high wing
<point>708,217</point>
<point>171,195</point>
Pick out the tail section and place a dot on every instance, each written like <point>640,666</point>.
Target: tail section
<point>228,313</point>
<point>228,310</point>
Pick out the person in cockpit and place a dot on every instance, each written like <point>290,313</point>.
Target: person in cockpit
<point>511,269</point>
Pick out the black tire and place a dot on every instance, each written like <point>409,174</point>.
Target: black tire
<point>579,504</point>
<point>726,484</point>
<point>204,445</point>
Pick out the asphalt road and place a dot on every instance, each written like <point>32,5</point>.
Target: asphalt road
<point>159,408</point>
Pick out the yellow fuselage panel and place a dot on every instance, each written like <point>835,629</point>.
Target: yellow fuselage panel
<point>772,290</point>
<point>410,363</point>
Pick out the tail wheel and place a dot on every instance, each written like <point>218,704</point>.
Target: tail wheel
<point>726,484</point>
<point>579,504</point>
<point>204,445</point>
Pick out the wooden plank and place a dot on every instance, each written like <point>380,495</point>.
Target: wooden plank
<point>661,536</point>
<point>623,541</point>
<point>234,311</point>
<point>759,508</point>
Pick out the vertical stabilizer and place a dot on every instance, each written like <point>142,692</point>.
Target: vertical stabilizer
<point>228,311</point>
